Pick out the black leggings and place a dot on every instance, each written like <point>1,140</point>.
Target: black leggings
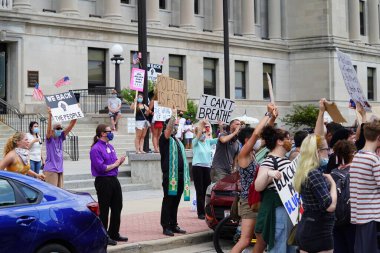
<point>202,180</point>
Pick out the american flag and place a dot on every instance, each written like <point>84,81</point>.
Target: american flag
<point>135,58</point>
<point>37,93</point>
<point>162,60</point>
<point>63,81</point>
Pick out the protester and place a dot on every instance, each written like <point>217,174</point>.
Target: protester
<point>55,136</point>
<point>299,136</point>
<point>188,133</point>
<point>156,127</point>
<point>142,124</point>
<point>16,156</point>
<point>181,123</point>
<point>105,168</point>
<point>114,106</point>
<point>273,223</point>
<point>365,190</point>
<point>208,130</point>
<point>319,196</point>
<point>201,165</point>
<point>175,177</point>
<point>344,234</point>
<point>247,170</point>
<point>227,149</point>
<point>35,145</point>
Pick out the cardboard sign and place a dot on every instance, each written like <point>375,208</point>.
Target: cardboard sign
<point>64,106</point>
<point>161,113</point>
<point>131,125</point>
<point>351,80</point>
<point>153,71</point>
<point>171,93</point>
<point>287,193</point>
<point>270,87</point>
<point>334,112</point>
<point>137,79</point>
<point>215,108</point>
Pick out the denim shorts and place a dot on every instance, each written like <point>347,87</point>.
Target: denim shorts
<point>283,227</point>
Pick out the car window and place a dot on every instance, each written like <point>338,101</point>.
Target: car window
<point>30,194</point>
<point>7,194</point>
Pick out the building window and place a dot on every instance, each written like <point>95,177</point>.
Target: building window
<point>255,11</point>
<point>267,68</point>
<point>209,76</point>
<point>196,6</point>
<point>96,68</point>
<point>176,66</point>
<point>162,4</point>
<point>371,72</point>
<point>362,17</point>
<point>240,82</point>
<point>125,1</point>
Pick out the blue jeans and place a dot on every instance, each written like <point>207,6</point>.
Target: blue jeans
<point>283,227</point>
<point>35,166</point>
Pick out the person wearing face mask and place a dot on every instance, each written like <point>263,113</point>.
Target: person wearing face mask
<point>114,105</point>
<point>16,156</point>
<point>55,136</point>
<point>142,124</point>
<point>201,165</point>
<point>35,145</point>
<point>319,197</point>
<point>105,168</point>
<point>188,133</point>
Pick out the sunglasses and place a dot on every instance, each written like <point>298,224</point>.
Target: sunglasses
<point>58,128</point>
<point>108,131</point>
<point>207,126</point>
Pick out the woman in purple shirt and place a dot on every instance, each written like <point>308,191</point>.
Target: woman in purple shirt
<point>104,167</point>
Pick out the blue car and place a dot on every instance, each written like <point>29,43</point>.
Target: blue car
<point>36,217</point>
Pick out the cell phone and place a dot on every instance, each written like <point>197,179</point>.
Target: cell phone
<point>352,104</point>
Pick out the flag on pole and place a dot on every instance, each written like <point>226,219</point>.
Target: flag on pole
<point>162,60</point>
<point>63,81</point>
<point>37,93</point>
<point>135,59</point>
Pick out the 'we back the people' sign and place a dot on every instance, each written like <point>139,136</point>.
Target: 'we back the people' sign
<point>64,106</point>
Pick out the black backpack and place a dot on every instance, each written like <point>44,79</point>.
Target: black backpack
<point>343,205</point>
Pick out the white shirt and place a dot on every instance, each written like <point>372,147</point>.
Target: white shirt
<point>188,134</point>
<point>114,103</point>
<point>35,150</point>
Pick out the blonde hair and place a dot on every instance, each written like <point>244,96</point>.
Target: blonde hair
<point>309,159</point>
<point>12,142</point>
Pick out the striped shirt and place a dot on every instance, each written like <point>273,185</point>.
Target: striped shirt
<point>365,188</point>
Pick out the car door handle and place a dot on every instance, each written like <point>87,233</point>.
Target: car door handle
<point>25,220</point>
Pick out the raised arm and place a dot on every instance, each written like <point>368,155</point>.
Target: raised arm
<point>363,114</point>
<point>319,129</point>
<point>49,125</point>
<point>170,125</point>
<point>70,127</point>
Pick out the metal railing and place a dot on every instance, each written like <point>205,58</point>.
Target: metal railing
<point>6,4</point>
<point>13,118</point>
<point>94,99</point>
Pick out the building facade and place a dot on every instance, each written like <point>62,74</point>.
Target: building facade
<point>292,40</point>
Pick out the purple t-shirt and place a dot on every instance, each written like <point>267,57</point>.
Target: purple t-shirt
<point>103,154</point>
<point>54,154</point>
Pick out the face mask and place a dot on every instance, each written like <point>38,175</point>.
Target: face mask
<point>58,133</point>
<point>257,145</point>
<point>139,100</point>
<point>323,161</point>
<point>181,115</point>
<point>36,130</point>
<point>287,145</point>
<point>114,95</point>
<point>188,122</point>
<point>203,137</point>
<point>110,136</point>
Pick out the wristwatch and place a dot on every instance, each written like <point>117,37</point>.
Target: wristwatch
<point>268,114</point>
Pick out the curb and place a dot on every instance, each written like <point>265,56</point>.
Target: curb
<point>163,244</point>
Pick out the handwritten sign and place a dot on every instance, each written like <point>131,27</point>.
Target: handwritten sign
<point>351,80</point>
<point>153,71</point>
<point>161,113</point>
<point>137,79</point>
<point>171,93</point>
<point>287,193</point>
<point>215,108</point>
<point>64,106</point>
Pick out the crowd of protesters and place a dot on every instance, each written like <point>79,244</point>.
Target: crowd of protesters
<point>259,154</point>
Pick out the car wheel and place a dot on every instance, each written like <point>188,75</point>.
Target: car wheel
<point>53,248</point>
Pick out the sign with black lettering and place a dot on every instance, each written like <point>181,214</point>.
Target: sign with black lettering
<point>64,106</point>
<point>171,93</point>
<point>215,108</point>
<point>153,71</point>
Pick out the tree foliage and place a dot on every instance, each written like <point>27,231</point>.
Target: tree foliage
<point>191,112</point>
<point>302,115</point>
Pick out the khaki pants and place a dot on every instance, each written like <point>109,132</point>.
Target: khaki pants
<point>54,178</point>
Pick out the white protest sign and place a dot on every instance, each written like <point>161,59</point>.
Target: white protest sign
<point>153,71</point>
<point>131,125</point>
<point>351,80</point>
<point>137,79</point>
<point>215,108</point>
<point>64,106</point>
<point>287,193</point>
<point>161,113</point>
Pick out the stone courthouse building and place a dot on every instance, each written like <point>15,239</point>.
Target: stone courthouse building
<point>293,40</point>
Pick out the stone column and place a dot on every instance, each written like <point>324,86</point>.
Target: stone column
<point>22,5</point>
<point>217,15</point>
<point>373,22</point>
<point>353,20</point>
<point>152,11</point>
<point>274,19</point>
<point>112,9</point>
<point>69,7</point>
<point>248,17</point>
<point>187,14</point>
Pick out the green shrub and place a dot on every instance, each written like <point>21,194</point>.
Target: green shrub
<point>302,115</point>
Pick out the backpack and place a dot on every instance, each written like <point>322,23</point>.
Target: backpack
<point>343,205</point>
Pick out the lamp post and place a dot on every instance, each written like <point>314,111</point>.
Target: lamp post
<point>116,51</point>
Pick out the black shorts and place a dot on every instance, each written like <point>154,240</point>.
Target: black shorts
<point>366,238</point>
<point>113,115</point>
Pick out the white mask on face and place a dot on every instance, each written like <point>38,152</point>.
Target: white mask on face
<point>257,145</point>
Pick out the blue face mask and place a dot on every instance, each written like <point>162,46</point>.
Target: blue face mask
<point>139,100</point>
<point>110,136</point>
<point>58,133</point>
<point>323,161</point>
<point>203,137</point>
<point>36,130</point>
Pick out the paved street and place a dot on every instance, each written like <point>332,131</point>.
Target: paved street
<point>200,248</point>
